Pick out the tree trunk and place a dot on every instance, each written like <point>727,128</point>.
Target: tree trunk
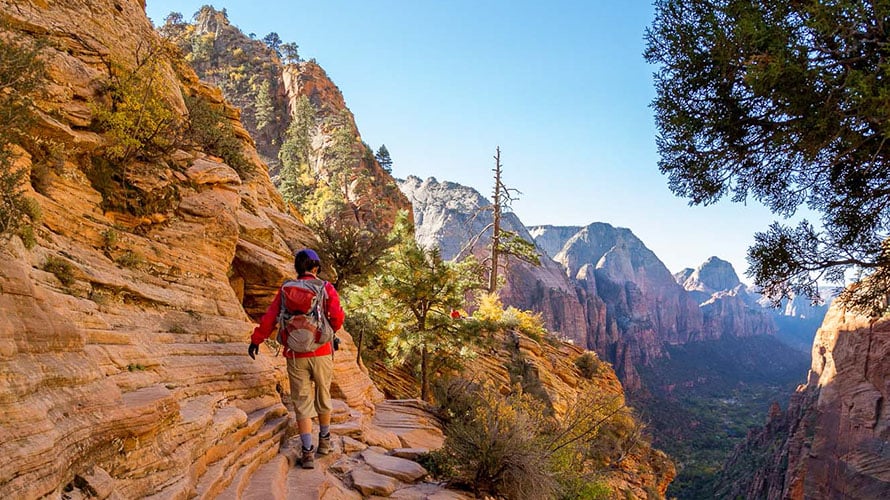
<point>495,236</point>
<point>424,375</point>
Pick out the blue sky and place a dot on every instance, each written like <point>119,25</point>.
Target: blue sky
<point>560,86</point>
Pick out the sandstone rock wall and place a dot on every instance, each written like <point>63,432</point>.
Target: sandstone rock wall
<point>124,367</point>
<point>847,453</point>
<point>832,441</point>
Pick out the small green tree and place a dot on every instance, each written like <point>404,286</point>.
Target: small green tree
<point>383,158</point>
<point>139,123</point>
<point>290,53</point>
<point>343,174</point>
<point>296,179</point>
<point>265,108</point>
<point>413,297</point>
<point>273,41</point>
<point>354,252</point>
<point>209,129</point>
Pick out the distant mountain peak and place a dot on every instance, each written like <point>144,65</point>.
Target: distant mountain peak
<point>714,275</point>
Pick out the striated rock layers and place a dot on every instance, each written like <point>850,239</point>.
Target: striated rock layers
<point>727,306</point>
<point>122,337</point>
<point>832,441</point>
<point>644,306</point>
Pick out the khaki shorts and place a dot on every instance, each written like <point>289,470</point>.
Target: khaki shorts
<point>310,385</point>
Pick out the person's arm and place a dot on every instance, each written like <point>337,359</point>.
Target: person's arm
<point>335,312</point>
<point>267,322</point>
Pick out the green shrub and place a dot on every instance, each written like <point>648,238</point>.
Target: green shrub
<point>26,233</point>
<point>209,129</point>
<point>59,267</point>
<point>129,259</point>
<point>580,489</point>
<point>493,444</point>
<point>589,365</point>
<point>140,122</point>
<point>109,238</point>
<point>32,209</point>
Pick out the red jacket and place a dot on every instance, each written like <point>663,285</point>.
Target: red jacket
<point>269,321</point>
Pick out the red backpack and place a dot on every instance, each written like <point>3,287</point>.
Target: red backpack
<point>302,320</point>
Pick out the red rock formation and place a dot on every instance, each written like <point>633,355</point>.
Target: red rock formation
<point>124,366</point>
<point>382,196</point>
<point>832,441</point>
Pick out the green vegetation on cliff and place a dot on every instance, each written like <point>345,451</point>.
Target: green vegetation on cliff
<point>246,70</point>
<point>21,80</point>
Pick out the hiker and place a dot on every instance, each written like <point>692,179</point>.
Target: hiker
<point>310,372</point>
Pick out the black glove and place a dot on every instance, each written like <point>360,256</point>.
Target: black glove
<point>336,343</point>
<point>253,350</point>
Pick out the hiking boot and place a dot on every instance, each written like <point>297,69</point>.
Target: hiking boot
<point>324,445</point>
<point>308,459</point>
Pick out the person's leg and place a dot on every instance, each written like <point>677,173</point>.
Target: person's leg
<point>322,373</point>
<point>302,394</point>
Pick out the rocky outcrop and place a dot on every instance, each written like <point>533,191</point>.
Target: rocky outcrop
<point>712,276</point>
<point>727,306</point>
<point>836,430</point>
<point>636,304</point>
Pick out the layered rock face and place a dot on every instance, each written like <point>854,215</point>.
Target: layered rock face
<point>832,441</point>
<point>122,337</point>
<point>378,199</point>
<point>637,304</point>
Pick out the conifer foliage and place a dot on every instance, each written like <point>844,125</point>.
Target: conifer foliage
<point>787,103</point>
<point>412,299</point>
<point>22,76</point>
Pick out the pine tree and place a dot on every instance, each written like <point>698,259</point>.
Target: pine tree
<point>296,179</point>
<point>273,41</point>
<point>265,108</point>
<point>503,243</point>
<point>786,103</point>
<point>22,77</point>
<point>290,53</point>
<point>384,159</point>
<point>413,297</point>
